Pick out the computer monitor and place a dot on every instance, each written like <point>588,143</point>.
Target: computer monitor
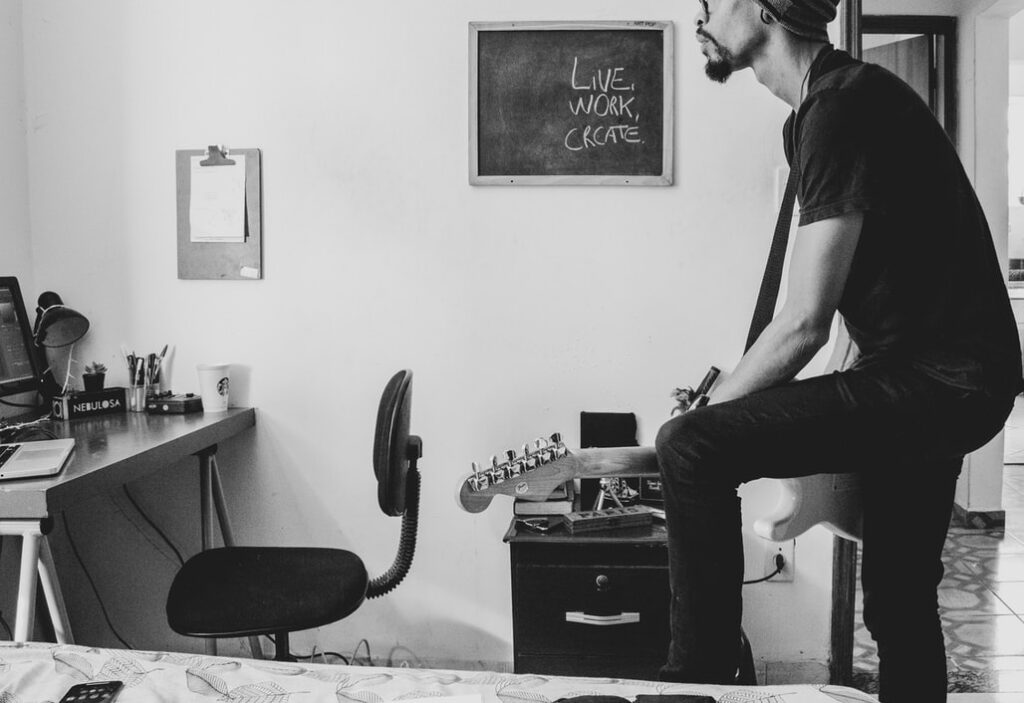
<point>19,370</point>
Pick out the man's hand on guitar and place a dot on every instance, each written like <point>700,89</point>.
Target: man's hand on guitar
<point>688,398</point>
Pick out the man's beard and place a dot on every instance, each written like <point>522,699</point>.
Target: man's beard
<point>718,69</point>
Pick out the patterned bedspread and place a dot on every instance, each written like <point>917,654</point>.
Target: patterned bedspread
<point>34,673</point>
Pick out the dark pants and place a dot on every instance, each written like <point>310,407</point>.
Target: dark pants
<point>905,433</point>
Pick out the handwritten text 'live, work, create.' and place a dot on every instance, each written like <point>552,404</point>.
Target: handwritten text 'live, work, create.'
<point>607,97</point>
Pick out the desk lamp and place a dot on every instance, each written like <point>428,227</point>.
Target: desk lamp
<point>56,326</point>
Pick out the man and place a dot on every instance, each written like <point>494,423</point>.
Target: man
<point>892,236</point>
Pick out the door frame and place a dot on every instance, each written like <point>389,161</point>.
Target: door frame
<point>933,26</point>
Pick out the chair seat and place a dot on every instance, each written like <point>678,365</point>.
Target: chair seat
<point>241,591</point>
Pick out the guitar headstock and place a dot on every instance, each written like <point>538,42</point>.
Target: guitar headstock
<point>532,474</point>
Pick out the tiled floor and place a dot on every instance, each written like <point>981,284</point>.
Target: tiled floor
<point>981,598</point>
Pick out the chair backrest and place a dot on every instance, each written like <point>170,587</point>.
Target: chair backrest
<point>395,453</point>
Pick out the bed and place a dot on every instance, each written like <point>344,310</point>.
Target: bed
<point>34,672</point>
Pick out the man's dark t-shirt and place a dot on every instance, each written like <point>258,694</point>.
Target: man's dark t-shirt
<point>925,284</point>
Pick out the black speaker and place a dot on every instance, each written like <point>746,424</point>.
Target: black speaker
<point>608,430</point>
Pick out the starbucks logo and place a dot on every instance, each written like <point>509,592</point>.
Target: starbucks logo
<point>222,386</point>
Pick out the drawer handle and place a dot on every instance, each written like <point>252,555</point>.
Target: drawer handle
<point>582,618</point>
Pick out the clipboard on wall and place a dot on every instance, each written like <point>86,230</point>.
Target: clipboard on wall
<point>236,257</point>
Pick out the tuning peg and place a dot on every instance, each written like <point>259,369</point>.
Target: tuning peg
<point>559,448</point>
<point>529,461</point>
<point>496,473</point>
<point>479,481</point>
<point>545,451</point>
<point>541,445</point>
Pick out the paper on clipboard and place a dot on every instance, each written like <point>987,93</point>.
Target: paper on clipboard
<point>217,206</point>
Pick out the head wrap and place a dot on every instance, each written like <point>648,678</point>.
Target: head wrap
<point>805,18</point>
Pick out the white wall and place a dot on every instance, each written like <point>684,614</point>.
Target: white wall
<point>515,307</point>
<point>15,243</point>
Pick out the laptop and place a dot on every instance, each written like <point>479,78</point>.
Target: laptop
<point>34,459</point>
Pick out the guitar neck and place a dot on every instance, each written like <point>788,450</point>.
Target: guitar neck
<point>601,462</point>
<point>537,482</point>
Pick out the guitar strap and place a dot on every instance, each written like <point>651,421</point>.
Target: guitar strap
<point>768,295</point>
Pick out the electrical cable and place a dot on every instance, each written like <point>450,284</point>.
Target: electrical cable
<point>324,655</point>
<point>369,657</point>
<point>26,431</point>
<point>20,405</point>
<point>164,537</point>
<point>88,576</point>
<point>34,433</point>
<point>780,564</point>
<point>405,662</point>
<point>311,655</point>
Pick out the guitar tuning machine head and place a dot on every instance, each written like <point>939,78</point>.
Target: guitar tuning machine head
<point>478,481</point>
<point>497,473</point>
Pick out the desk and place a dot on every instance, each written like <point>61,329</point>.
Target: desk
<point>110,450</point>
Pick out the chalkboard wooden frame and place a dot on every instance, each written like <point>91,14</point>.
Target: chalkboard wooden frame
<point>655,167</point>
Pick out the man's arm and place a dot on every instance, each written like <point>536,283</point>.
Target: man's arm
<point>820,264</point>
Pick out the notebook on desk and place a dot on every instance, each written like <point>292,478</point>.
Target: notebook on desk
<point>34,459</point>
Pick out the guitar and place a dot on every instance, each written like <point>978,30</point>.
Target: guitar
<point>832,500</point>
<point>537,471</point>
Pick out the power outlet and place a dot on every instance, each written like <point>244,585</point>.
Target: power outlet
<point>787,550</point>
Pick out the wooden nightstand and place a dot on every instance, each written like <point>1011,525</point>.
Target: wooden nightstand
<point>593,605</point>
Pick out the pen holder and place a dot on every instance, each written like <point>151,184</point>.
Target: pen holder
<point>137,399</point>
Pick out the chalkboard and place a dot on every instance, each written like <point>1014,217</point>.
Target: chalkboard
<point>571,103</point>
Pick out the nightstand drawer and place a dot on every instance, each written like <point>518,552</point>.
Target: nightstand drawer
<point>591,610</point>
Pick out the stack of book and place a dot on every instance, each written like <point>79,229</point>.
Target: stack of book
<point>560,502</point>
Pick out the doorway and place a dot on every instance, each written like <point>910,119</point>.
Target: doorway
<point>920,50</point>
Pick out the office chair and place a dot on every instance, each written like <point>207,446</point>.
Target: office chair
<point>250,591</point>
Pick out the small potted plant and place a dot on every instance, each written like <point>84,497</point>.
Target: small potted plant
<point>93,376</point>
